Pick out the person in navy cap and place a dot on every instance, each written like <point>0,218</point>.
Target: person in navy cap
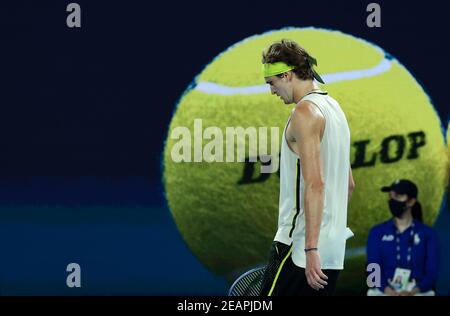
<point>403,246</point>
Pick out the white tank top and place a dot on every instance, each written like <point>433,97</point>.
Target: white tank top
<point>335,155</point>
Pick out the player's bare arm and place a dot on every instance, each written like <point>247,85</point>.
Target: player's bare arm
<point>307,127</point>
<point>351,183</point>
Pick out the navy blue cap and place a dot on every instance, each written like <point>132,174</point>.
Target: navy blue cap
<point>402,186</point>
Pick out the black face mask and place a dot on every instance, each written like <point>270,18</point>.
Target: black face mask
<point>397,208</point>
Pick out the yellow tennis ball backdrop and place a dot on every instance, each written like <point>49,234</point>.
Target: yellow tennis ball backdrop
<point>448,150</point>
<point>227,211</point>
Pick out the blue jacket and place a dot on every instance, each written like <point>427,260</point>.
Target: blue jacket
<point>424,263</point>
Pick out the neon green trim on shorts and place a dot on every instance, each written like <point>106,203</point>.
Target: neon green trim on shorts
<point>279,270</point>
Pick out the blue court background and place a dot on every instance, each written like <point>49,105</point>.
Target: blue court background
<point>84,116</point>
<point>123,247</point>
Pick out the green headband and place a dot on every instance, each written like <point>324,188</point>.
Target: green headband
<point>281,67</point>
<point>277,68</point>
<point>313,62</point>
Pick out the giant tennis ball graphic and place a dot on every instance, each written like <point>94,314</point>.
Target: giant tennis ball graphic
<point>227,211</point>
<point>448,151</point>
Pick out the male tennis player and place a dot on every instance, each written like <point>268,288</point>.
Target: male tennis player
<point>316,180</point>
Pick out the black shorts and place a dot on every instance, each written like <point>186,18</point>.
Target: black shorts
<point>283,278</point>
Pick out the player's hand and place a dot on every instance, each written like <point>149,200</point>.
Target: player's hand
<point>314,275</point>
